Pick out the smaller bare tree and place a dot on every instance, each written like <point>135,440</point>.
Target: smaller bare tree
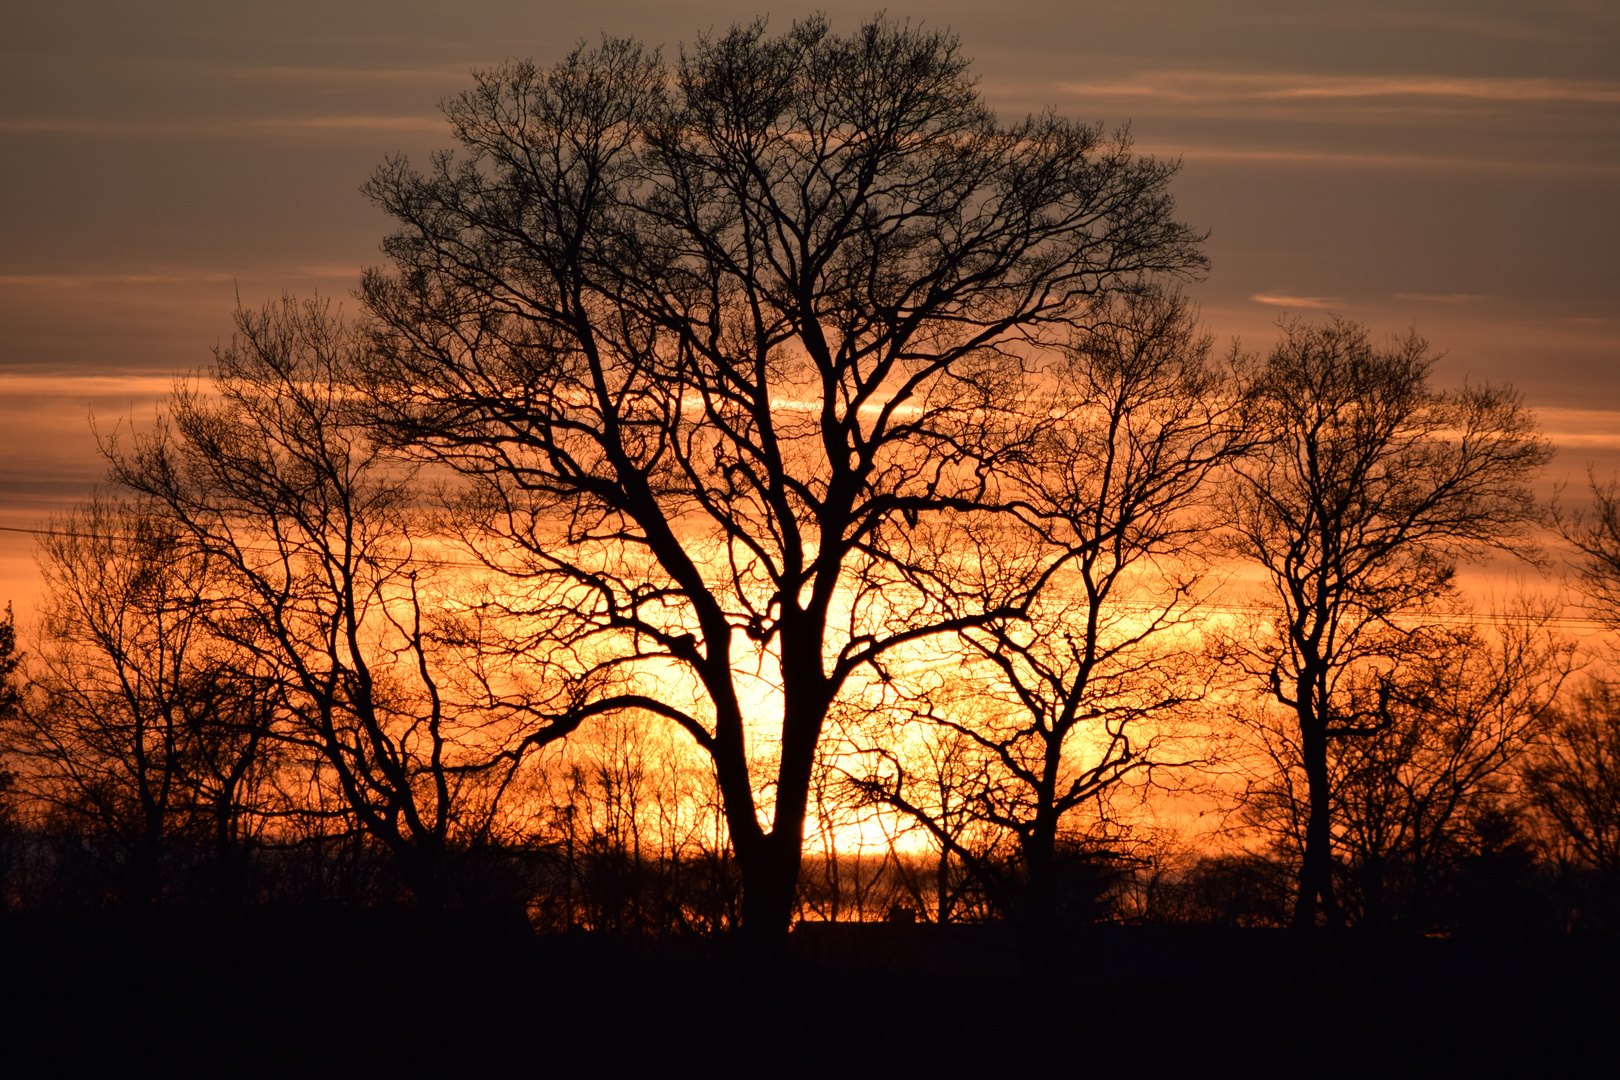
<point>1368,489</point>
<point>142,728</point>
<point>1061,707</point>
<point>11,698</point>
<point>1594,533</point>
<point>1574,780</point>
<point>1455,723</point>
<point>312,539</point>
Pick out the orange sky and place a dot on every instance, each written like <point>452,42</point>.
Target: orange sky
<point>1446,165</point>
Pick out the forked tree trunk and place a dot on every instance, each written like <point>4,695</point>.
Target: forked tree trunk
<point>771,862</point>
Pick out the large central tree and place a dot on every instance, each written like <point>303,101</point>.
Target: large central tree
<point>712,343</point>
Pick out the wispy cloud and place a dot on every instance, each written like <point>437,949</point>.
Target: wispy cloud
<point>208,128</point>
<point>330,270</point>
<point>1590,429</point>
<point>1314,302</point>
<point>176,276</point>
<point>1585,440</point>
<point>1441,298</point>
<point>362,75</point>
<point>57,384</point>
<point>1203,87</point>
<point>1545,21</point>
<point>355,123</point>
<point>1373,159</point>
<point>71,126</point>
<point>79,281</point>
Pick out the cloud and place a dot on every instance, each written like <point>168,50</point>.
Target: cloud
<point>1440,298</point>
<point>330,270</point>
<point>1585,440</point>
<point>1372,159</point>
<point>364,75</point>
<point>355,123</point>
<point>222,128</point>
<point>1205,87</point>
<point>1581,429</point>
<point>56,384</point>
<point>1560,21</point>
<point>1297,301</point>
<point>79,281</point>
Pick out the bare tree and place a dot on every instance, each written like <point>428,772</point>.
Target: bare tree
<point>1368,490</point>
<point>1574,780</point>
<point>311,538</point>
<point>141,729</point>
<point>940,775</point>
<point>1457,719</point>
<point>1594,533</point>
<point>1092,683</point>
<point>713,340</point>
<point>11,698</point>
<point>10,661</point>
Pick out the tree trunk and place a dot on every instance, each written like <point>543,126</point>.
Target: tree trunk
<point>770,882</point>
<point>1316,875</point>
<point>423,867</point>
<point>1316,872</point>
<point>227,864</point>
<point>1036,922</point>
<point>771,864</point>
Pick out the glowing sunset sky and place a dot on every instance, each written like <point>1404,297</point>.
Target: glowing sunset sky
<point>1452,166</point>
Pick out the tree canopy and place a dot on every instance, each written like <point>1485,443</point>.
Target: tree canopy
<point>714,339</point>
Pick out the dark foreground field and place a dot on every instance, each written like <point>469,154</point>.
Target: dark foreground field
<point>278,993</point>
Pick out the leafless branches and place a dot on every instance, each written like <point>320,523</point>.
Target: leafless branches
<point>1368,489</point>
<point>714,341</point>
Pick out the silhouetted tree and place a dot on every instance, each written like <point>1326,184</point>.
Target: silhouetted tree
<point>1409,797</point>
<point>311,536</point>
<point>713,340</point>
<point>10,711</point>
<point>1574,780</point>
<point>1091,682</point>
<point>10,661</point>
<point>1237,889</point>
<point>1369,489</point>
<point>1594,533</point>
<point>942,771</point>
<point>142,729</point>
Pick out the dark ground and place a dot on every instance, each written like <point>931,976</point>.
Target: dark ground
<point>298,993</point>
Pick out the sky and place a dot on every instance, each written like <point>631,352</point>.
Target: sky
<point>1449,167</point>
